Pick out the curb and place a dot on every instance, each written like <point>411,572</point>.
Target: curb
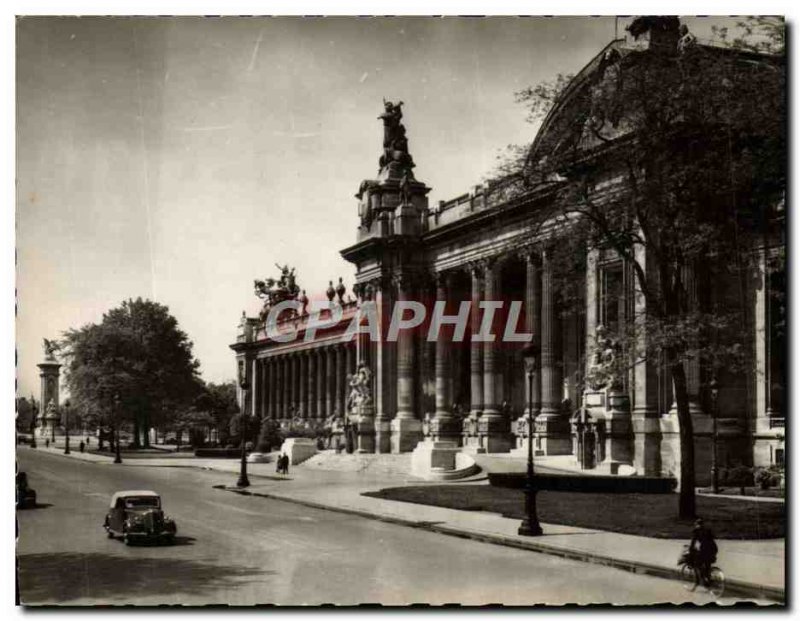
<point>732,587</point>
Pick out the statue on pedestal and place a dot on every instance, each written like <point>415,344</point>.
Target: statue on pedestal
<point>395,143</point>
<point>604,371</point>
<point>50,349</point>
<point>274,291</point>
<point>340,291</point>
<point>360,393</point>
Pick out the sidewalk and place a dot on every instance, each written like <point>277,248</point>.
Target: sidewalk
<point>752,568</point>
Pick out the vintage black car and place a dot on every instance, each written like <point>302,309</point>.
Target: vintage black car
<point>136,516</point>
<point>26,497</point>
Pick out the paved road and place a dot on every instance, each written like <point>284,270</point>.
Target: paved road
<point>242,550</point>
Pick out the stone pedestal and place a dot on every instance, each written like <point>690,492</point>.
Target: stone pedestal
<point>383,436</point>
<point>405,434</point>
<point>365,442</point>
<point>619,431</point>
<point>494,434</point>
<point>604,419</point>
<point>445,430</point>
<point>730,446</point>
<point>299,449</point>
<point>647,446</point>
<point>551,435</point>
<point>441,461</point>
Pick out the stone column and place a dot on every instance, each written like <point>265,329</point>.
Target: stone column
<point>287,389</point>
<point>49,372</point>
<point>444,425</point>
<point>494,428</point>
<point>272,387</point>
<point>311,379</point>
<point>340,380</point>
<point>476,348</point>
<point>320,384</point>
<point>303,387</point>
<point>330,375</point>
<point>279,387</point>
<point>264,388</point>
<point>645,415</point>
<point>693,365</point>
<point>406,428</point>
<point>292,361</point>
<point>552,425</point>
<point>533,319</point>
<point>384,369</point>
<point>350,355</point>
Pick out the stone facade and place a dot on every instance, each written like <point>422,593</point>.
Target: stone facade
<point>482,247</point>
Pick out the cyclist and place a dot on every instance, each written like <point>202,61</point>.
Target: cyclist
<point>703,553</point>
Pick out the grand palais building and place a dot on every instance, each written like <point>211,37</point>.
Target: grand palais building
<point>490,245</point>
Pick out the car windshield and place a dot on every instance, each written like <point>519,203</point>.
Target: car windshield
<point>139,502</point>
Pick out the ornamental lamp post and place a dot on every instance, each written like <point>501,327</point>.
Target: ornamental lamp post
<point>714,387</point>
<point>67,406</point>
<point>117,457</point>
<point>245,386</point>
<point>530,524</point>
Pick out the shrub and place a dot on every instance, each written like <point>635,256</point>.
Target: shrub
<point>764,478</point>
<point>269,437</point>
<point>741,477</point>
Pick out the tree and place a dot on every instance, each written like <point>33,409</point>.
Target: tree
<point>664,155</point>
<point>130,366</point>
<point>219,400</point>
<point>27,409</point>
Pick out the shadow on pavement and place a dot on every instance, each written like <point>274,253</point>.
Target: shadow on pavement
<point>38,505</point>
<point>178,541</point>
<point>67,576</point>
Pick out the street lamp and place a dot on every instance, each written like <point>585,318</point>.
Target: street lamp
<point>714,386</point>
<point>245,386</point>
<point>66,426</point>
<point>530,524</point>
<point>117,457</point>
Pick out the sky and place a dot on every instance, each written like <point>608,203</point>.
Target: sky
<point>178,159</point>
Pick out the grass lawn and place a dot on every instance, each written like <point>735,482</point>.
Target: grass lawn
<point>772,492</point>
<point>651,515</point>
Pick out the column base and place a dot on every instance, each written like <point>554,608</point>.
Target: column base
<point>494,434</point>
<point>405,433</point>
<point>366,435</point>
<point>552,436</point>
<point>520,427</point>
<point>445,430</point>
<point>646,444</point>
<point>383,436</point>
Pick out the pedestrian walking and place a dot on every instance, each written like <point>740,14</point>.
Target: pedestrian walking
<point>285,464</point>
<point>47,443</point>
<point>279,464</point>
<point>81,446</point>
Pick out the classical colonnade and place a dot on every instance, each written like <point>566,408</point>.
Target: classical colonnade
<point>310,383</point>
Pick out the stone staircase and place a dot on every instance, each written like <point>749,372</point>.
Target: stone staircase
<point>372,463</point>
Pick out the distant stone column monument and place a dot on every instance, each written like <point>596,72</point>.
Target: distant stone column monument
<point>49,373</point>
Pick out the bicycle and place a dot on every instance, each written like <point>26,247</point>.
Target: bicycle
<point>716,577</point>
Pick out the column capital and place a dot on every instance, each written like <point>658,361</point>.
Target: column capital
<point>530,254</point>
<point>406,280</point>
<point>476,269</point>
